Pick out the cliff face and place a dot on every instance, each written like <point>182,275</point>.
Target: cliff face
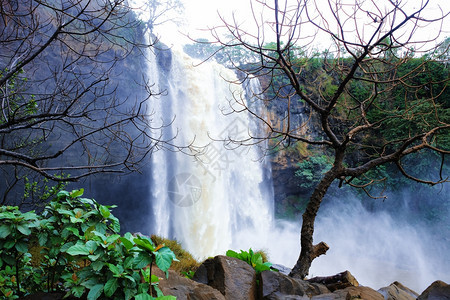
<point>290,197</point>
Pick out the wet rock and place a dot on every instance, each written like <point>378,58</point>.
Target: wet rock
<point>234,278</point>
<point>277,286</point>
<point>336,282</point>
<point>438,290</point>
<point>351,293</point>
<point>280,268</point>
<point>397,291</point>
<point>184,288</point>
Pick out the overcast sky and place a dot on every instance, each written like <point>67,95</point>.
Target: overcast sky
<point>201,14</point>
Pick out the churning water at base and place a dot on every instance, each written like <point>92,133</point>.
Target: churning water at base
<point>209,198</point>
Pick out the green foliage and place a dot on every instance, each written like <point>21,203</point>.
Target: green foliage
<point>311,170</point>
<point>41,190</point>
<point>81,252</point>
<point>254,259</point>
<point>186,263</point>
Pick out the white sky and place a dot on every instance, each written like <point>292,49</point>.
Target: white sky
<point>201,14</point>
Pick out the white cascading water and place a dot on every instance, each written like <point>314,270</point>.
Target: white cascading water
<point>212,198</point>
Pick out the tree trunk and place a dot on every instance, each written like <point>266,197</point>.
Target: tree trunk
<point>308,250</point>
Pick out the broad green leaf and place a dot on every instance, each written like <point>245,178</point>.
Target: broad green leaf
<point>143,296</point>
<point>115,224</point>
<point>101,227</point>
<point>78,291</point>
<point>128,263</point>
<point>143,287</point>
<point>100,235</point>
<point>66,212</point>
<point>104,211</point>
<point>62,194</point>
<point>114,269</point>
<point>95,292</point>
<point>86,201</point>
<point>110,287</point>
<point>78,250</point>
<point>9,244</point>
<point>29,216</point>
<point>159,293</point>
<point>130,278</point>
<point>164,258</point>
<point>90,282</point>
<point>21,247</point>
<point>231,253</point>
<point>9,259</point>
<point>154,279</point>
<point>5,230</point>
<point>66,232</point>
<point>144,243</point>
<point>168,297</point>
<point>112,238</point>
<point>88,232</point>
<point>97,265</point>
<point>67,246</point>
<point>91,246</point>
<point>77,193</point>
<point>8,215</point>
<point>42,238</point>
<point>75,220</point>
<point>127,243</point>
<point>129,293</point>
<point>93,257</point>
<point>142,260</point>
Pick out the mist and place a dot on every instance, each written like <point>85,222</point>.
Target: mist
<point>377,247</point>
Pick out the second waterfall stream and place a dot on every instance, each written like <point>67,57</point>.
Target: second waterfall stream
<point>213,195</point>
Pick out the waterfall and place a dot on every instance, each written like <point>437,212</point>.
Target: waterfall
<point>215,196</point>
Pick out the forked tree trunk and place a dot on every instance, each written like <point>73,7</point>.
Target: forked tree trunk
<point>308,250</point>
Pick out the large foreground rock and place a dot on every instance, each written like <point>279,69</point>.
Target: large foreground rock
<point>438,290</point>
<point>277,286</point>
<point>352,292</point>
<point>234,278</point>
<point>336,282</point>
<point>184,288</point>
<point>397,291</point>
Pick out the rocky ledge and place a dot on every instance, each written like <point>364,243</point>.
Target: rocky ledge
<point>224,277</point>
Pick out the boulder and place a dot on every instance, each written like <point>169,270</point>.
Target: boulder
<point>351,293</point>
<point>184,288</point>
<point>397,291</point>
<point>438,290</point>
<point>336,282</point>
<point>275,285</point>
<point>234,278</point>
<point>280,268</point>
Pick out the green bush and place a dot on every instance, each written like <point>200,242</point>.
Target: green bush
<point>186,263</point>
<point>75,246</point>
<point>254,259</point>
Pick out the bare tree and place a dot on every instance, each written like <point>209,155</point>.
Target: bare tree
<point>63,115</point>
<point>159,12</point>
<point>377,57</point>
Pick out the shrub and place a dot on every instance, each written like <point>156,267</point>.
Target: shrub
<point>186,263</point>
<point>75,246</point>
<point>254,259</point>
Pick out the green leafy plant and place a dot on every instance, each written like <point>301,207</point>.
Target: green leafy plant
<point>254,259</point>
<point>80,252</point>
